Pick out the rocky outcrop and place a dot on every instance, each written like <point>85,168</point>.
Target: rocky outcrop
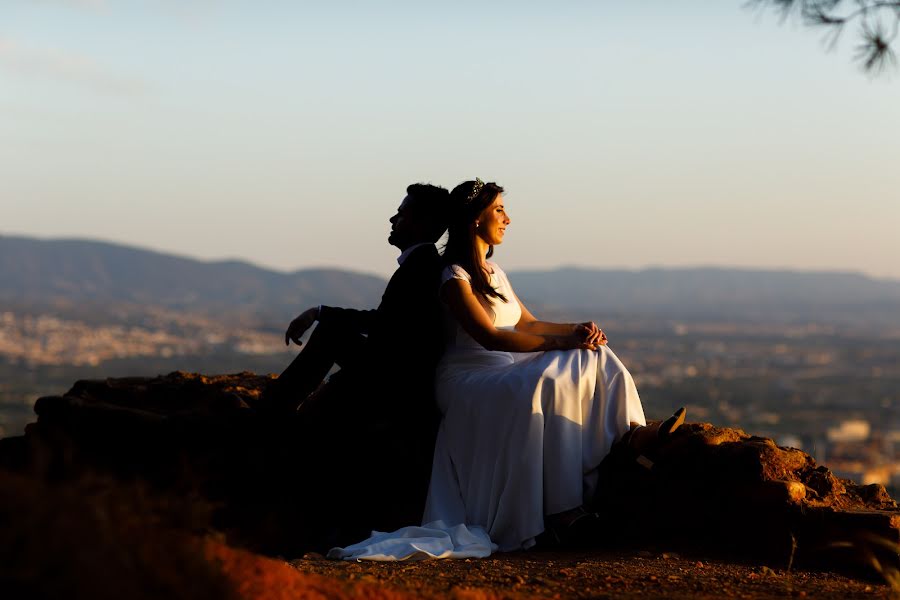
<point>737,494</point>
<point>194,436</point>
<point>275,485</point>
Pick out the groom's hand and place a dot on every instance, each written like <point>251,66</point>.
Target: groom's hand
<point>299,326</point>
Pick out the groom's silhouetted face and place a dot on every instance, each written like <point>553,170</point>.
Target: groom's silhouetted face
<point>407,226</point>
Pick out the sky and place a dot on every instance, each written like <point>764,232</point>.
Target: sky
<point>627,134</point>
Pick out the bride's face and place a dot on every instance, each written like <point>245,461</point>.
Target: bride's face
<point>492,223</point>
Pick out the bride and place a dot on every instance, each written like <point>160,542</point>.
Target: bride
<point>530,408</point>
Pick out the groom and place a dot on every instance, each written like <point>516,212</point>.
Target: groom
<point>392,349</point>
<point>382,398</point>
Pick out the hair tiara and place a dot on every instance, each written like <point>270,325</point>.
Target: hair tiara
<point>476,189</point>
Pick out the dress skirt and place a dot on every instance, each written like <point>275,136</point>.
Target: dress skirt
<point>522,436</point>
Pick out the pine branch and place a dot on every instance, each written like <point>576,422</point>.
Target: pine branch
<point>875,51</point>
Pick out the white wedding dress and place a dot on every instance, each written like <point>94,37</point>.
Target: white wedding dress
<point>522,436</point>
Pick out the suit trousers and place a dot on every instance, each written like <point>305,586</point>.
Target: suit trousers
<point>331,343</point>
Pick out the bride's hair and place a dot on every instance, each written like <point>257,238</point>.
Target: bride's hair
<point>468,200</point>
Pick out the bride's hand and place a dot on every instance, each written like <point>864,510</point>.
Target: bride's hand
<point>591,334</point>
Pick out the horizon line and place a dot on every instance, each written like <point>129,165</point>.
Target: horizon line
<point>559,267</point>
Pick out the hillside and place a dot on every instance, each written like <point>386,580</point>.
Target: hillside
<point>745,295</point>
<point>64,272</point>
<point>177,486</point>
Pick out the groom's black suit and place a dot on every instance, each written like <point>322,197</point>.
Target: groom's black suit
<point>369,432</point>
<point>387,355</point>
<point>391,372</point>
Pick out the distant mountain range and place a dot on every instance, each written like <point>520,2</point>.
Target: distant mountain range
<point>49,271</point>
<point>37,272</point>
<point>718,293</point>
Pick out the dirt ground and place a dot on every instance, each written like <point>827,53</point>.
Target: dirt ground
<point>620,574</point>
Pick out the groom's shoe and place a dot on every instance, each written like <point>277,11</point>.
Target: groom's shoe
<point>668,427</point>
<point>642,451</point>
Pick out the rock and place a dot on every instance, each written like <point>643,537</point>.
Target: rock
<point>192,434</point>
<point>721,488</point>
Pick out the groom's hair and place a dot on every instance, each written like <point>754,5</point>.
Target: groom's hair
<point>431,203</point>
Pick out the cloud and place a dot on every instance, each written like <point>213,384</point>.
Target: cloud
<point>68,67</point>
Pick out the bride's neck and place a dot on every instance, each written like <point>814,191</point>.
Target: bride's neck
<point>481,248</point>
